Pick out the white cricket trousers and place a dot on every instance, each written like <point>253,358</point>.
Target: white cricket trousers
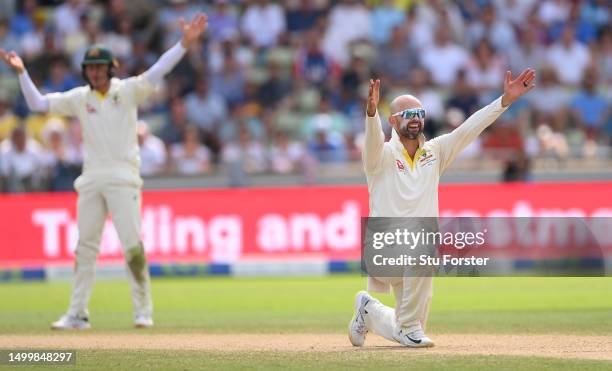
<point>97,197</point>
<point>412,299</point>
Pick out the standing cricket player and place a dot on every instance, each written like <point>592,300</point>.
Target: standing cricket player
<point>402,186</point>
<point>110,183</point>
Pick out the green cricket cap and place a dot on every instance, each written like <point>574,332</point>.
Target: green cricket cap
<point>98,54</point>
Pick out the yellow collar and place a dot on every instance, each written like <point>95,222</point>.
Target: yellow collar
<point>417,155</point>
<point>100,96</point>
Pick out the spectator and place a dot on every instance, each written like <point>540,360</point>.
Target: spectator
<point>229,81</point>
<point>286,156</point>
<point>548,97</point>
<point>569,58</point>
<point>311,64</point>
<point>349,21</point>
<point>275,88</point>
<point>420,30</point>
<point>550,144</point>
<point>395,59</point>
<point>174,129</point>
<point>517,168</point>
<point>21,164</point>
<point>494,29</point>
<point>230,48</point>
<point>169,17</point>
<point>595,12</point>
<point>23,21</point>
<point>263,22</point>
<point>141,59</point>
<point>61,161</point>
<point>119,41</point>
<point>7,42</point>
<point>528,52</point>
<point>504,140</point>
<point>302,71</point>
<point>205,108</point>
<point>32,42</point>
<point>77,43</point>
<point>328,118</point>
<point>484,69</point>
<point>591,110</point>
<point>463,96</point>
<point>249,153</point>
<point>190,157</point>
<point>222,21</point>
<point>515,12</point>
<point>60,77</point>
<point>152,151</point>
<point>455,58</point>
<point>603,56</point>
<point>552,11</point>
<point>67,17</point>
<point>585,32</point>
<point>327,145</point>
<point>385,19</point>
<point>8,120</point>
<point>303,17</point>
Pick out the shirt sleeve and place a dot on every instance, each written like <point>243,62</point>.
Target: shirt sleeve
<point>165,64</point>
<point>139,88</point>
<point>449,145</point>
<point>36,101</point>
<point>64,104</point>
<point>373,149</point>
<point>142,86</point>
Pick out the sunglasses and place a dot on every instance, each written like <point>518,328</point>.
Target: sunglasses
<point>411,113</point>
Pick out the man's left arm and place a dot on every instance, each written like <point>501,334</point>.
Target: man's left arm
<point>451,144</point>
<point>145,83</point>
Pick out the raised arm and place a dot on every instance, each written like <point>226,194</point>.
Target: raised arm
<point>168,60</point>
<point>374,136</point>
<point>36,101</point>
<point>452,143</point>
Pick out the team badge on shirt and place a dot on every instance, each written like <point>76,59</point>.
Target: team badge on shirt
<point>426,158</point>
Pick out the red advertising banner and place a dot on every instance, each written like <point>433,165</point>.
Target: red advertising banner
<point>225,226</point>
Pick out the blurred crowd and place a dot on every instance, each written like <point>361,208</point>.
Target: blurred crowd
<point>279,86</point>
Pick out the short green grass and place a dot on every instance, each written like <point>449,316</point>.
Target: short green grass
<point>323,304</point>
<point>581,306</point>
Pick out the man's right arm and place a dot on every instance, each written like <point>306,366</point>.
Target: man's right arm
<point>373,144</point>
<point>63,103</point>
<point>36,101</point>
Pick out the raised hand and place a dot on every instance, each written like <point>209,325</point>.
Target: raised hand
<point>373,97</point>
<point>193,30</point>
<point>513,89</point>
<point>12,60</point>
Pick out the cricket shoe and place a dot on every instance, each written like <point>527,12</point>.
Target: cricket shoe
<point>142,321</point>
<point>413,339</point>
<point>68,322</point>
<point>357,327</point>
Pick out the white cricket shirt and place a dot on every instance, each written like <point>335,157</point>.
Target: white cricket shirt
<point>109,124</point>
<point>403,187</point>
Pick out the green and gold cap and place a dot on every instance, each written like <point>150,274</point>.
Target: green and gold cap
<point>98,54</point>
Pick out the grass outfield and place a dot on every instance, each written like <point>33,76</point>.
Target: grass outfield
<point>524,306</point>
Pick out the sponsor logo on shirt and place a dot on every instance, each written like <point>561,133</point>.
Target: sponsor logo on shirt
<point>400,165</point>
<point>90,108</point>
